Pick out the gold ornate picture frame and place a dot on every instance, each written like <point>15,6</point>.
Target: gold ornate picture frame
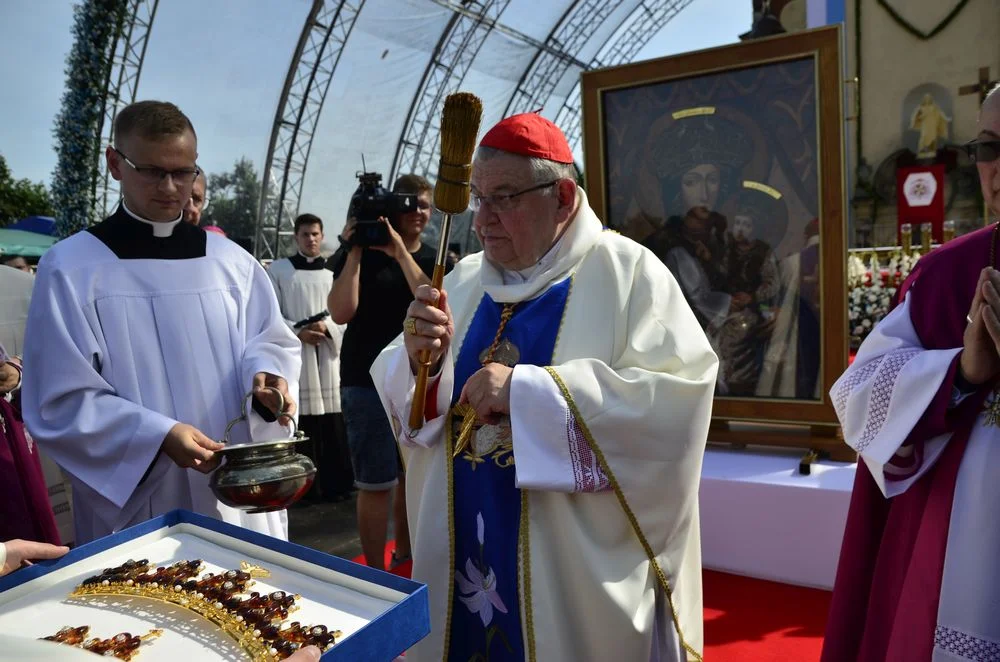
<point>728,164</point>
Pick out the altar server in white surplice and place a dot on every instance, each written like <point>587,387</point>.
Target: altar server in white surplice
<point>302,283</point>
<point>564,524</point>
<point>144,334</point>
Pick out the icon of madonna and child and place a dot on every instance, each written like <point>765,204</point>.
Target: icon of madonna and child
<point>749,274</point>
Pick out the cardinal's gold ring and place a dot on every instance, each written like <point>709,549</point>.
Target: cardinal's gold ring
<point>410,325</point>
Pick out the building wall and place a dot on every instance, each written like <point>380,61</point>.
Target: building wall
<point>893,62</point>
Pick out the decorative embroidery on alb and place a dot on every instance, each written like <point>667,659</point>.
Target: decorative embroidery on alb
<point>587,472</point>
<point>853,379</point>
<point>965,645</point>
<point>885,383</point>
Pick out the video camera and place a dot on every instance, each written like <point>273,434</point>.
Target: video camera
<point>371,201</point>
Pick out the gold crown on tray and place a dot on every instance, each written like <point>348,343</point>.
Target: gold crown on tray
<point>255,621</point>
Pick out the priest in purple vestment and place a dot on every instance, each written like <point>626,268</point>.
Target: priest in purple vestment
<point>919,577</point>
<point>25,511</point>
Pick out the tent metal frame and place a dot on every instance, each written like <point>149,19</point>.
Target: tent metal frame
<point>324,36</point>
<point>128,51</point>
<point>627,40</point>
<point>448,65</point>
<point>576,27</point>
<point>321,43</point>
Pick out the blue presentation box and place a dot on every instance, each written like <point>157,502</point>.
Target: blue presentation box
<point>380,614</point>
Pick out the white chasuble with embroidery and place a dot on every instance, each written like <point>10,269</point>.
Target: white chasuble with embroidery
<point>599,521</point>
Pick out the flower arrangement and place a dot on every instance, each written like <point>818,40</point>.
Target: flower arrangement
<point>871,288</point>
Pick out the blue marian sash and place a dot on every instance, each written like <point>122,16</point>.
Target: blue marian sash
<point>486,607</point>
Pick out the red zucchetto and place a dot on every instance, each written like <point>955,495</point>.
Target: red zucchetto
<point>529,134</point>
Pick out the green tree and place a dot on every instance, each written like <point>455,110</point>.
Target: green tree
<point>21,197</point>
<point>234,198</point>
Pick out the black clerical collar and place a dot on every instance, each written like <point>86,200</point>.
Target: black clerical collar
<point>133,238</point>
<point>300,261</point>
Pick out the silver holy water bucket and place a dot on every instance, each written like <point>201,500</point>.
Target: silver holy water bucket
<point>260,477</point>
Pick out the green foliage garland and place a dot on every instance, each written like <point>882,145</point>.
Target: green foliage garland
<point>96,26</point>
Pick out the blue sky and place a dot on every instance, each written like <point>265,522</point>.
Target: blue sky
<point>223,62</point>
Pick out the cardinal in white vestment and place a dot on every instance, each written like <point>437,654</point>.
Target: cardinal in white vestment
<point>144,335</point>
<point>918,577</point>
<point>553,490</point>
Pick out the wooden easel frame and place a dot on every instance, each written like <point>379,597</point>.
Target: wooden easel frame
<point>816,420</point>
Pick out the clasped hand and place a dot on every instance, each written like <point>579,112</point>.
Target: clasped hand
<point>190,448</point>
<point>488,392</point>
<point>9,378</point>
<point>980,359</point>
<point>313,334</point>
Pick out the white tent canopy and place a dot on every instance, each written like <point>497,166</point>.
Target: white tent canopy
<point>225,63</point>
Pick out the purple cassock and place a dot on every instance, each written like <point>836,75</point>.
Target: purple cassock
<point>888,585</point>
<point>25,511</point>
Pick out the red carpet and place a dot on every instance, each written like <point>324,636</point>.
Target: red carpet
<point>748,620</point>
<point>751,620</point>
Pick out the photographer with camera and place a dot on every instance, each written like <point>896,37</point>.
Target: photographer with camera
<point>302,283</point>
<point>376,271</point>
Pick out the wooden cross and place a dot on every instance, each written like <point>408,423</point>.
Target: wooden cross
<point>983,86</point>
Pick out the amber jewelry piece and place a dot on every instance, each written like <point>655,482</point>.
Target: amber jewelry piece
<point>255,621</point>
<point>316,635</point>
<point>123,646</point>
<point>70,635</point>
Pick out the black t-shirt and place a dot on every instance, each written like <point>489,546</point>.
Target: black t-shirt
<point>383,297</point>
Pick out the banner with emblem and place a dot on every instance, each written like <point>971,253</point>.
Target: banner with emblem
<point>920,198</point>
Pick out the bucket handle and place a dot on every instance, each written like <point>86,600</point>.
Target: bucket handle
<point>243,413</point>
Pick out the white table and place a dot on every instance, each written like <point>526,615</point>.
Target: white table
<point>761,518</point>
